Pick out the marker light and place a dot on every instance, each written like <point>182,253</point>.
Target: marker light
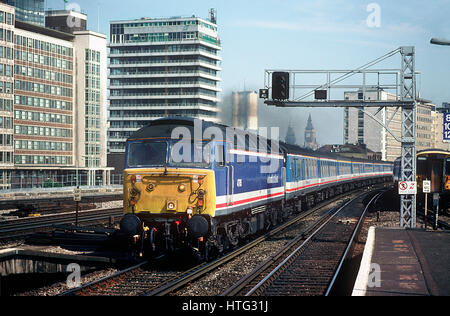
<point>133,179</point>
<point>181,188</point>
<point>150,187</point>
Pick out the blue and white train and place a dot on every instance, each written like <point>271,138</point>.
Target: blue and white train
<point>208,186</point>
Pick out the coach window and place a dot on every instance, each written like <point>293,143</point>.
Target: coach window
<point>220,156</point>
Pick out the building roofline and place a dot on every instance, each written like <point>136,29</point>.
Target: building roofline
<point>65,13</point>
<point>44,31</point>
<point>175,18</point>
<point>88,32</point>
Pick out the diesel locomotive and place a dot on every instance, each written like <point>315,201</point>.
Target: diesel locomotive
<point>205,186</point>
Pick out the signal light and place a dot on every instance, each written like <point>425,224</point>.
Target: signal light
<point>280,86</point>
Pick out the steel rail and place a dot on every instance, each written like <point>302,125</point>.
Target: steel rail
<point>22,227</point>
<point>350,243</point>
<point>201,270</point>
<point>279,266</point>
<point>74,291</point>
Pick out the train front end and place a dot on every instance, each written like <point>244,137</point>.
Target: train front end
<point>169,194</point>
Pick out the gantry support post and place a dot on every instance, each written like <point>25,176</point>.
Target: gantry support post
<point>408,170</point>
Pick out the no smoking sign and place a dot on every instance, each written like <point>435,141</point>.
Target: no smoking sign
<point>407,187</point>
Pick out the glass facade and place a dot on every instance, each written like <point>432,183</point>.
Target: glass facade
<point>161,68</point>
<point>30,11</point>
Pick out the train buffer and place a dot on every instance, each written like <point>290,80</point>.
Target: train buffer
<point>409,262</point>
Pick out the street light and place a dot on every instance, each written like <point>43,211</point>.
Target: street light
<point>440,41</point>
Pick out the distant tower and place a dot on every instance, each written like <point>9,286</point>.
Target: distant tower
<point>290,136</point>
<point>310,135</point>
<point>245,110</point>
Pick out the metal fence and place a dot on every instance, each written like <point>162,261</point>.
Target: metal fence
<point>18,183</point>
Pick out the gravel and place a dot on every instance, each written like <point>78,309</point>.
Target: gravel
<point>227,275</point>
<point>61,287</point>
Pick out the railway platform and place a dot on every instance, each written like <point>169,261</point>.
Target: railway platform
<point>404,262</point>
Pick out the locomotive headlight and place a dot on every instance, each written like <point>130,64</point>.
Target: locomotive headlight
<point>171,205</point>
<point>181,188</point>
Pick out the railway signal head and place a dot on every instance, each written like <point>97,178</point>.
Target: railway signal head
<point>280,86</point>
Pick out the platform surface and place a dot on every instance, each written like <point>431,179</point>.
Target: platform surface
<point>404,262</point>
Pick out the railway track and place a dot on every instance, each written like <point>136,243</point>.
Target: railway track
<point>145,279</point>
<point>309,264</point>
<point>24,226</point>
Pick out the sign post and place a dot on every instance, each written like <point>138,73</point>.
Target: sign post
<point>77,199</point>
<point>426,189</point>
<point>446,127</point>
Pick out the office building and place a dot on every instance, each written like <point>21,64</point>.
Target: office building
<point>245,110</point>
<point>290,135</point>
<point>29,11</point>
<point>361,129</point>
<point>53,97</point>
<point>161,67</point>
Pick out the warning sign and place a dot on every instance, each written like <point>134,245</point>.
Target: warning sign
<point>407,187</point>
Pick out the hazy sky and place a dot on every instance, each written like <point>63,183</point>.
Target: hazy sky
<point>294,34</point>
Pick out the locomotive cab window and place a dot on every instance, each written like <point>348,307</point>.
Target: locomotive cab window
<point>190,154</point>
<point>220,156</point>
<point>147,154</point>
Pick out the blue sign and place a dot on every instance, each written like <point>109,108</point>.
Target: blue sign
<point>447,127</point>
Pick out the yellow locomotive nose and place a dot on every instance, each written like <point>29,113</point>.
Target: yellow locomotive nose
<point>170,191</point>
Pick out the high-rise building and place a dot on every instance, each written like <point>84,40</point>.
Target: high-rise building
<point>245,110</point>
<point>52,104</point>
<point>161,67</point>
<point>29,11</point>
<point>290,135</point>
<point>361,129</point>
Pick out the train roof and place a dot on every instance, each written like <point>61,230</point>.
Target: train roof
<point>431,151</point>
<point>164,127</point>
